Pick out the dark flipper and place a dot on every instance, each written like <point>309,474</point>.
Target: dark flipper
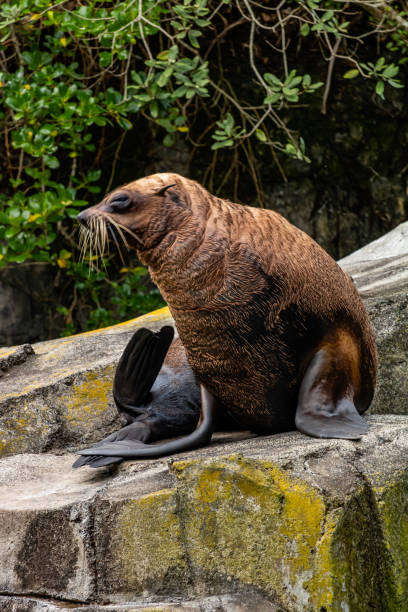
<point>131,449</point>
<point>136,432</point>
<point>139,366</point>
<point>95,461</point>
<point>325,408</point>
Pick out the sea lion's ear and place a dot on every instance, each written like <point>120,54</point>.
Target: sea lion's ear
<point>162,190</point>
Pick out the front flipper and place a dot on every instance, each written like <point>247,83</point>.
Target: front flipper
<point>325,408</point>
<point>139,366</point>
<point>133,449</point>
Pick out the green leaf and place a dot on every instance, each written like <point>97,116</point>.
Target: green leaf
<point>124,123</point>
<point>163,55</point>
<point>222,144</point>
<point>154,109</point>
<point>271,79</point>
<point>305,29</point>
<point>390,71</point>
<point>260,134</point>
<point>306,80</point>
<point>380,63</point>
<point>192,36</point>
<point>168,140</point>
<point>379,89</point>
<point>396,84</point>
<point>164,76</point>
<point>272,98</point>
<point>351,74</point>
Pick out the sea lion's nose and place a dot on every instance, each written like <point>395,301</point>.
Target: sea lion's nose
<point>83,217</point>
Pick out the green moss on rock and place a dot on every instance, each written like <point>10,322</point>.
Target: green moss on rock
<point>28,428</point>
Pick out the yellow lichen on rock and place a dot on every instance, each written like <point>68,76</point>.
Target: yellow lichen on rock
<point>146,319</point>
<point>87,400</point>
<point>392,504</point>
<point>144,545</point>
<point>26,428</point>
<point>248,520</point>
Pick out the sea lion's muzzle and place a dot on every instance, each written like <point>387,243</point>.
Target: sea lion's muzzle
<point>84,217</point>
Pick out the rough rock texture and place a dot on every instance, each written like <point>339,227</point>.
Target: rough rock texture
<point>61,396</point>
<point>28,300</point>
<point>242,602</point>
<point>282,522</point>
<point>14,356</point>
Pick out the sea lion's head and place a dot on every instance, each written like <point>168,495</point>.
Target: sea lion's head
<point>138,214</point>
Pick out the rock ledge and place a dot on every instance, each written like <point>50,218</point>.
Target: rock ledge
<point>292,522</point>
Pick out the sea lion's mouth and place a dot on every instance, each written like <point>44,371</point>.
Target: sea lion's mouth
<point>96,231</point>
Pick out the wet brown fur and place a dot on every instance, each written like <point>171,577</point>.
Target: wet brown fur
<point>253,297</point>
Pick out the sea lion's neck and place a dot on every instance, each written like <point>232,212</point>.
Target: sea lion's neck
<point>189,263</point>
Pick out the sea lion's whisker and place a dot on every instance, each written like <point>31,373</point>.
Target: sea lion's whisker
<point>126,229</point>
<point>100,243</point>
<point>102,236</point>
<point>93,244</point>
<point>117,244</point>
<point>115,224</point>
<point>84,240</point>
<point>94,238</point>
<point>105,237</point>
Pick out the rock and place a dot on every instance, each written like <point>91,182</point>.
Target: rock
<point>286,522</point>
<point>61,396</point>
<point>241,602</point>
<point>380,271</point>
<point>29,296</point>
<point>14,356</point>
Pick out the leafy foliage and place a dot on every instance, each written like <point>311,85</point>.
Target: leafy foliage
<point>69,71</point>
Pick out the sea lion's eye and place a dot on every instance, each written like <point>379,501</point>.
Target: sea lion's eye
<point>120,203</point>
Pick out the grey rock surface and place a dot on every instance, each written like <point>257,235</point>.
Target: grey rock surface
<point>269,520</point>
<point>16,356</point>
<point>241,602</point>
<point>380,271</point>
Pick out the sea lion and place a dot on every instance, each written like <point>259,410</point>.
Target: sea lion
<point>274,331</point>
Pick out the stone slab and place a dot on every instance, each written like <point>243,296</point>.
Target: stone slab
<point>380,271</point>
<point>305,524</point>
<point>242,602</point>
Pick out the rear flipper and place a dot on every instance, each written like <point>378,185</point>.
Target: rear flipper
<point>130,448</point>
<point>326,400</point>
<point>136,432</point>
<point>96,461</point>
<point>137,370</point>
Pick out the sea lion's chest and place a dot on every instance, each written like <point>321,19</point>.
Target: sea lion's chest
<point>233,335</point>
